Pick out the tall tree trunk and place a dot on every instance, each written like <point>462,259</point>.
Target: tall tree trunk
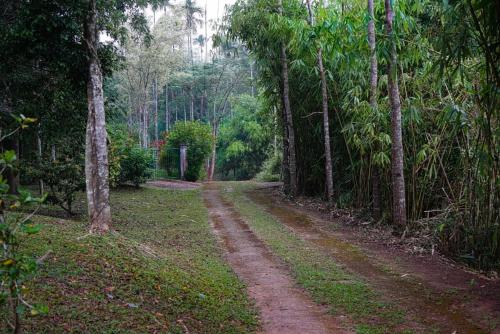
<point>39,156</point>
<point>211,171</point>
<point>167,115</point>
<point>191,106</point>
<point>397,154</point>
<point>326,129</point>
<point>376,192</point>
<point>155,93</point>
<point>251,78</point>
<point>285,164</point>
<point>292,161</point>
<point>96,151</point>
<point>326,121</point>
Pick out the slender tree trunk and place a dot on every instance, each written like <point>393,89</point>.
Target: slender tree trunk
<point>191,106</point>
<point>96,151</point>
<point>214,156</point>
<point>167,116</point>
<point>285,164</point>
<point>397,154</point>
<point>39,156</point>
<point>376,192</point>
<point>326,121</point>
<point>251,78</point>
<point>155,88</point>
<point>172,93</point>
<point>292,164</point>
<point>326,129</point>
<point>185,115</point>
<point>292,161</point>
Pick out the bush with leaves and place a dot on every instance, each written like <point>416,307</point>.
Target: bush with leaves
<point>271,169</point>
<point>127,161</point>
<point>243,140</point>
<point>64,177</point>
<point>135,163</point>
<point>198,138</point>
<point>15,268</point>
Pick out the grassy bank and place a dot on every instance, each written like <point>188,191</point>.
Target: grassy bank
<point>316,271</point>
<point>161,271</point>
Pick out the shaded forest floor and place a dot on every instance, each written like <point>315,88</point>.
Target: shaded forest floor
<point>387,289</point>
<point>237,257</point>
<point>160,271</point>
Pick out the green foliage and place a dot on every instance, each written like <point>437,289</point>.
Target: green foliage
<point>127,161</point>
<point>65,177</point>
<point>134,165</point>
<point>450,144</point>
<point>16,269</point>
<point>243,140</point>
<point>162,265</point>
<point>199,141</point>
<point>271,169</point>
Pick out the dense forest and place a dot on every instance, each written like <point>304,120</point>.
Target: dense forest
<point>385,110</point>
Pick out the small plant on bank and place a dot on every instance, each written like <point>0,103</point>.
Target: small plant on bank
<point>16,269</point>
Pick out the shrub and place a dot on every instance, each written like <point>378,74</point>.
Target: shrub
<point>127,161</point>
<point>199,140</point>
<point>271,169</point>
<point>134,164</point>
<point>63,177</point>
<point>16,268</point>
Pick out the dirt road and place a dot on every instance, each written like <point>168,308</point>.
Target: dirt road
<point>283,306</point>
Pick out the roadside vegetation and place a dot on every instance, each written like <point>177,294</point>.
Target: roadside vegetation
<point>159,271</point>
<point>384,108</point>
<point>318,273</point>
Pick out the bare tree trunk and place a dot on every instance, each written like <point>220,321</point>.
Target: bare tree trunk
<point>292,164</point>
<point>167,116</point>
<point>96,151</point>
<point>191,106</point>
<point>155,93</point>
<point>251,78</point>
<point>376,192</point>
<point>214,157</point>
<point>39,156</point>
<point>285,164</point>
<point>326,121</point>
<point>326,129</point>
<point>397,154</point>
<point>292,161</point>
<point>175,105</point>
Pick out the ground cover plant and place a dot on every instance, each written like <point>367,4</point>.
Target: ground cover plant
<point>160,270</point>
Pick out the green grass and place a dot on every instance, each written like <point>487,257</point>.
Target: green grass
<point>315,271</point>
<point>160,272</point>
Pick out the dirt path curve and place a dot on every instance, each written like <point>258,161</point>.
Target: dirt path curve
<point>284,308</point>
<point>427,298</point>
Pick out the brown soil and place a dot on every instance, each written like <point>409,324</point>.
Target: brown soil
<point>431,290</point>
<point>174,184</point>
<point>284,308</point>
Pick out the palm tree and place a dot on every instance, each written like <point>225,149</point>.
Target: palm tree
<point>191,23</point>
